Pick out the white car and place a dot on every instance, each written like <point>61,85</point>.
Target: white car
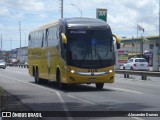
<point>2,64</point>
<point>136,64</point>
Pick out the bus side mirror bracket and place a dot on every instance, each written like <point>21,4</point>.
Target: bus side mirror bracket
<point>64,38</point>
<point>118,41</point>
<point>118,45</point>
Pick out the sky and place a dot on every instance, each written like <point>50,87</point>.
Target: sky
<point>122,16</point>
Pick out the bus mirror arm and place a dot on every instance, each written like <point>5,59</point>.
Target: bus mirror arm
<point>118,41</point>
<point>64,38</point>
<point>118,45</point>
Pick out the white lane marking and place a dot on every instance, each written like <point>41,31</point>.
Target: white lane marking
<point>126,90</point>
<point>156,82</point>
<point>55,91</point>
<point>86,101</point>
<point>137,118</point>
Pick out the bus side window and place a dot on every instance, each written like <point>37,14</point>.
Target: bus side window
<point>42,44</point>
<point>29,37</point>
<point>29,40</point>
<point>47,36</point>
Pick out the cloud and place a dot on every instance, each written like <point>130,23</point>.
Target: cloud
<point>27,5</point>
<point>1,26</point>
<point>123,15</point>
<point>4,11</point>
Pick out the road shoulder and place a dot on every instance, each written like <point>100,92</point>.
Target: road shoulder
<point>9,102</point>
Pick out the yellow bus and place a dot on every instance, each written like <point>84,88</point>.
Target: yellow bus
<point>73,51</point>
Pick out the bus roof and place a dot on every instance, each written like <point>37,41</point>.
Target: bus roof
<point>84,23</point>
<point>77,23</point>
<point>46,26</point>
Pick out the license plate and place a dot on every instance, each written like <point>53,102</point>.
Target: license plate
<point>93,79</point>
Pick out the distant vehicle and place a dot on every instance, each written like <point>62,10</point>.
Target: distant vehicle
<point>14,60</point>
<point>136,64</point>
<point>73,51</point>
<point>2,64</point>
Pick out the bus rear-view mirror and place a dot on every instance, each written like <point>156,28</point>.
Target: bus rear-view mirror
<point>118,41</point>
<point>64,38</point>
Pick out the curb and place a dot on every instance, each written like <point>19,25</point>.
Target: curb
<point>0,114</point>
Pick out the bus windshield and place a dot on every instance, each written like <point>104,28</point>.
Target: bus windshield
<point>90,48</point>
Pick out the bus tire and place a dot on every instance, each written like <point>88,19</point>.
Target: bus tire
<point>36,77</point>
<point>131,68</point>
<point>99,85</point>
<point>60,84</point>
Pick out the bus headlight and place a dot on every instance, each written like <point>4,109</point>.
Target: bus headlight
<point>72,71</point>
<point>110,71</point>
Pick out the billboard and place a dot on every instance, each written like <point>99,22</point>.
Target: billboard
<point>122,56</point>
<point>101,14</point>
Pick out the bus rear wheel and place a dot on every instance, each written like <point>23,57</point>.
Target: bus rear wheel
<point>36,77</point>
<point>99,85</point>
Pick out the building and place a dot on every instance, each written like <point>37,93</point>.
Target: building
<point>142,47</point>
<point>22,54</point>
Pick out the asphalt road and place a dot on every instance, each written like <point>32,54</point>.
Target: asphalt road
<point>124,95</point>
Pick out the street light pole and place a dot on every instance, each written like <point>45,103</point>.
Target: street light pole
<point>1,48</point>
<point>61,8</point>
<point>159,18</point>
<point>24,36</point>
<point>77,8</point>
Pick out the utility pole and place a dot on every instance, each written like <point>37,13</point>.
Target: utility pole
<point>20,40</point>
<point>159,35</point>
<point>20,33</point>
<point>1,48</point>
<point>159,18</point>
<point>61,8</point>
<point>155,49</point>
<point>25,38</point>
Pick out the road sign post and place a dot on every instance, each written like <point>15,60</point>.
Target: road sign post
<point>101,14</point>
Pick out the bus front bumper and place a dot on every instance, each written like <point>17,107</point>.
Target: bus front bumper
<point>86,78</point>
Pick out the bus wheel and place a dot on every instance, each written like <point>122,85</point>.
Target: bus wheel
<point>131,68</point>
<point>99,85</point>
<point>60,84</point>
<point>36,77</point>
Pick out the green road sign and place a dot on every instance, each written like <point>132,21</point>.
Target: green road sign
<point>101,14</point>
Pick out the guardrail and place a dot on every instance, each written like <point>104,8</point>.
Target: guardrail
<point>143,74</point>
<point>18,65</point>
<point>126,73</point>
